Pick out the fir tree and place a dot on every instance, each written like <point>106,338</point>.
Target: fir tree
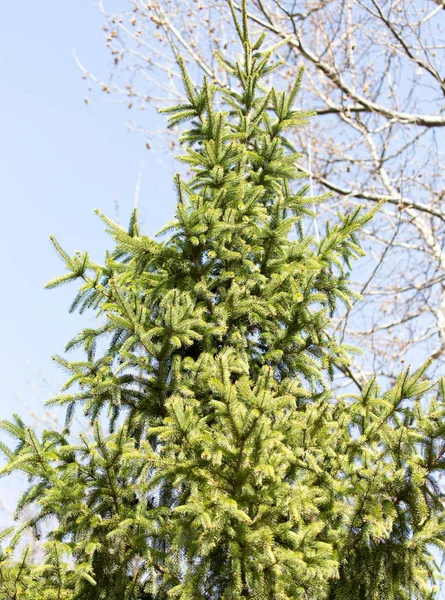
<point>230,469</point>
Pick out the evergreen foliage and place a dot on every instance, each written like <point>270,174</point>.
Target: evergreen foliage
<point>228,468</point>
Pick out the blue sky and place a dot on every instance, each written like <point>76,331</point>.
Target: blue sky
<point>59,159</point>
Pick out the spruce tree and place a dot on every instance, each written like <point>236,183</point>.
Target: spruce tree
<point>221,464</point>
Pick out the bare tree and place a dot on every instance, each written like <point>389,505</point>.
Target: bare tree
<point>375,77</point>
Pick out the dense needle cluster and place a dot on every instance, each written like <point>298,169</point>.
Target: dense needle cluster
<point>220,464</point>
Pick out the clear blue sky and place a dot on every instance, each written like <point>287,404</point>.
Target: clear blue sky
<point>59,159</point>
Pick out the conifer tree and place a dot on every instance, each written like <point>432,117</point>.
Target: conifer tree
<point>221,464</point>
